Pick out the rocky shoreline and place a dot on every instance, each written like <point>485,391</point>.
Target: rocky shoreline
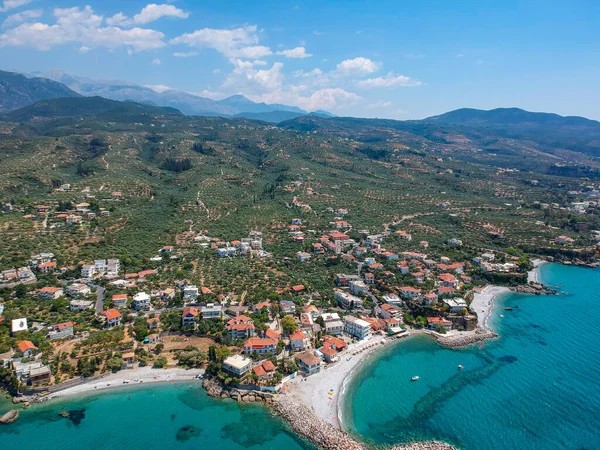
<point>534,288</point>
<point>215,388</point>
<point>465,339</point>
<point>304,420</point>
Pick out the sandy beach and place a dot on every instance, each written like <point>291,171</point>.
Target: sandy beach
<point>533,274</point>
<point>313,391</point>
<point>483,303</point>
<point>138,376</point>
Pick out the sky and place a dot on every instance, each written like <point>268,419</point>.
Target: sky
<point>395,59</point>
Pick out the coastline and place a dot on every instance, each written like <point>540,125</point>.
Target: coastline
<point>313,391</point>
<point>307,406</point>
<point>533,276</point>
<point>136,377</point>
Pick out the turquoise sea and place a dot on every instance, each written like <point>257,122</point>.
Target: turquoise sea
<point>537,387</point>
<point>167,416</point>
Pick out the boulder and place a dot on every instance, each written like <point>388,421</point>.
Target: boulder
<point>10,417</point>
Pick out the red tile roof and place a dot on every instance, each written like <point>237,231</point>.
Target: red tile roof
<point>272,334</point>
<point>298,288</point>
<point>259,342</point>
<point>258,370</point>
<point>268,365</point>
<point>26,345</point>
<point>297,335</point>
<point>111,314</point>
<point>191,311</point>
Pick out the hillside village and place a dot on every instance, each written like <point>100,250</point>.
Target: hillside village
<point>255,251</point>
<point>102,318</point>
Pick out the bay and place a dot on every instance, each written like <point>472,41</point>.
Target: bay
<point>537,387</point>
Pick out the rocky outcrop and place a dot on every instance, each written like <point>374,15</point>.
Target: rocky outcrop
<point>10,417</point>
<point>215,388</point>
<point>465,339</point>
<point>533,288</point>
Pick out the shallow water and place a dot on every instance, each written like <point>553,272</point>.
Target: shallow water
<point>538,387</point>
<point>170,416</point>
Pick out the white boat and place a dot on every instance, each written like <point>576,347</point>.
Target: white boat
<point>460,366</point>
<point>415,378</point>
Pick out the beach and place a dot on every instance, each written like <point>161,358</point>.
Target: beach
<point>313,391</point>
<point>483,303</point>
<point>129,377</point>
<point>533,274</point>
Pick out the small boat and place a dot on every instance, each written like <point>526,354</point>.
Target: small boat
<point>460,366</point>
<point>415,378</point>
<point>508,308</point>
<point>501,315</point>
<point>108,384</point>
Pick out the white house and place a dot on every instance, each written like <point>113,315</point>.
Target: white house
<point>190,293</point>
<point>358,287</point>
<point>88,271</point>
<point>392,299</point>
<point>18,325</point>
<point>302,256</point>
<point>238,364</point>
<point>212,311</point>
<point>348,301</point>
<point>80,305</point>
<point>141,300</point>
<point>358,328</point>
<point>456,303</point>
<point>78,290</point>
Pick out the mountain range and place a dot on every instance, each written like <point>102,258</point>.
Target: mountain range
<point>189,104</point>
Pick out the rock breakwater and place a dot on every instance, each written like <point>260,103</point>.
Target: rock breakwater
<point>465,338</point>
<point>304,420</point>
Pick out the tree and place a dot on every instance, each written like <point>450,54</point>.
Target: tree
<point>159,348</point>
<point>441,329</point>
<point>160,362</point>
<point>421,321</point>
<point>289,324</point>
<point>115,363</point>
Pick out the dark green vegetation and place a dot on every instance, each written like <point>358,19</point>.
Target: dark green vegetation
<point>17,90</point>
<point>179,176</point>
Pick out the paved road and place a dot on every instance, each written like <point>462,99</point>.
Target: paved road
<point>100,298</point>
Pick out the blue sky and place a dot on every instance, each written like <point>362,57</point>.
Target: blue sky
<point>395,59</point>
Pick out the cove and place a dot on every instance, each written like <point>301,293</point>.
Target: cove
<point>537,387</point>
<point>173,416</point>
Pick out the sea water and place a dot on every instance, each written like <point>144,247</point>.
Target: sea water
<point>165,416</point>
<point>537,387</point>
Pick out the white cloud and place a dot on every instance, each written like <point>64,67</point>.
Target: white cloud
<point>298,52</point>
<point>156,62</point>
<point>389,80</point>
<point>245,76</point>
<point>158,87</point>
<point>153,12</point>
<point>329,98</point>
<point>12,4</point>
<point>149,13</point>
<point>23,16</point>
<point>233,43</point>
<point>185,54</point>
<point>380,104</point>
<point>358,66</point>
<point>82,26</point>
<point>118,19</point>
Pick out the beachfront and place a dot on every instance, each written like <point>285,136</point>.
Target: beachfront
<point>322,392</point>
<point>130,377</point>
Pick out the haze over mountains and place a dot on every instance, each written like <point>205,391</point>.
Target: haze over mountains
<point>502,131</point>
<point>189,104</point>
